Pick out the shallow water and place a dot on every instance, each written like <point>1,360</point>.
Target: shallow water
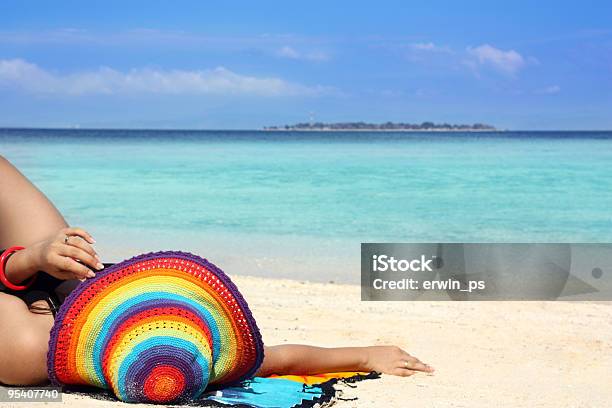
<point>321,193</point>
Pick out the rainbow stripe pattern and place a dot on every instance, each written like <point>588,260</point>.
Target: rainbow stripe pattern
<point>157,328</point>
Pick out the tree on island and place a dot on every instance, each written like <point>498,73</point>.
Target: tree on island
<point>381,126</point>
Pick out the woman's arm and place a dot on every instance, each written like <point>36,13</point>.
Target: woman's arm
<point>307,360</point>
<point>20,266</point>
<point>29,219</point>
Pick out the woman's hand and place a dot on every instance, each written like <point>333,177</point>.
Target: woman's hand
<point>393,360</point>
<point>65,255</point>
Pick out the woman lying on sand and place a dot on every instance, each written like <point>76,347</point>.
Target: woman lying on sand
<point>29,219</point>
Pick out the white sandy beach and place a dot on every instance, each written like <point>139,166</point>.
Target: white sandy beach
<point>487,354</point>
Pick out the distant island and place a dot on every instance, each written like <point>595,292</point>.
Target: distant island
<point>387,126</point>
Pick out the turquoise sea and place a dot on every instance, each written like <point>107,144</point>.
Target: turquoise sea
<point>297,204</point>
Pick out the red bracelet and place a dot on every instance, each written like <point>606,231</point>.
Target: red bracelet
<point>3,258</point>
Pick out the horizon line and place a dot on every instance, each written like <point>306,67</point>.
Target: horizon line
<point>178,129</point>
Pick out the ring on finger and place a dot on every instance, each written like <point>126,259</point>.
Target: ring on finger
<point>406,364</point>
<point>66,239</point>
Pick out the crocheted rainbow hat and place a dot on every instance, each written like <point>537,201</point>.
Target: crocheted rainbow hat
<point>156,328</point>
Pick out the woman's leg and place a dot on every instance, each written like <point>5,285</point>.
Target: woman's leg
<point>26,217</point>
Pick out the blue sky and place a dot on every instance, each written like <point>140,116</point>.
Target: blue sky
<point>196,64</point>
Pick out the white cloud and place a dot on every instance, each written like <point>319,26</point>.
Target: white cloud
<point>29,77</point>
<point>302,47</point>
<point>288,52</point>
<point>549,90</point>
<point>291,53</point>
<point>429,46</point>
<point>423,46</point>
<point>508,62</point>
